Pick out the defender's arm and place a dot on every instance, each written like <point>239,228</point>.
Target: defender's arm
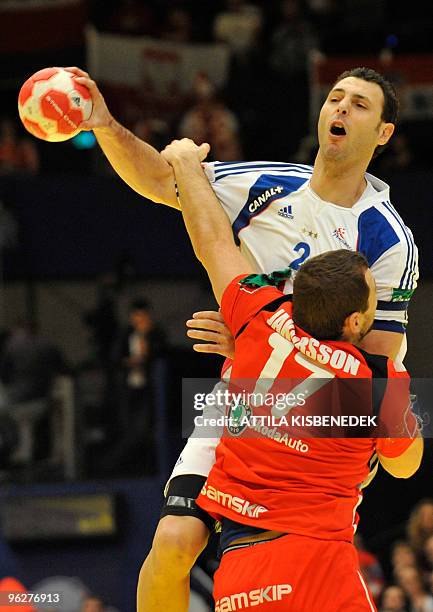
<point>206,222</point>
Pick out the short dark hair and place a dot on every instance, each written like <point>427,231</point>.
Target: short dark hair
<point>391,103</point>
<point>327,289</point>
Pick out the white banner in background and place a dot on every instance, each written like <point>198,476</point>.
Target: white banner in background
<point>161,67</point>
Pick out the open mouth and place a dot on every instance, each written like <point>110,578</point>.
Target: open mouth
<point>337,129</point>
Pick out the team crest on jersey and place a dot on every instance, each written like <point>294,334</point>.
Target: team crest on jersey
<point>340,234</point>
<point>238,417</point>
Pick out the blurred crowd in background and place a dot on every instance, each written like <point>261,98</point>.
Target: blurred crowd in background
<point>272,47</point>
<point>408,585</point>
<point>114,383</point>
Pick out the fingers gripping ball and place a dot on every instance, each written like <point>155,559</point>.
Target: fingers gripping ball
<point>51,105</point>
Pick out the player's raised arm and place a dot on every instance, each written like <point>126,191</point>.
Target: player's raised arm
<point>136,162</point>
<point>206,222</point>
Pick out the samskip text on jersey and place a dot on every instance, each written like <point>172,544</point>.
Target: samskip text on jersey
<point>256,597</point>
<point>237,504</point>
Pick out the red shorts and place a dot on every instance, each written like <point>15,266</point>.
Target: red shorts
<point>295,573</point>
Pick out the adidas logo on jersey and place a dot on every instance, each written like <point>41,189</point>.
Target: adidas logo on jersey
<point>286,212</point>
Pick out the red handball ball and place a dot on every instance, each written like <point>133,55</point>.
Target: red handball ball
<point>52,105</point>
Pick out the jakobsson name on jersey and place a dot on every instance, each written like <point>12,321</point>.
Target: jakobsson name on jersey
<point>338,359</point>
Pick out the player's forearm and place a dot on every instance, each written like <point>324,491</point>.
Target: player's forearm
<point>208,226</point>
<point>137,163</point>
<point>206,222</point>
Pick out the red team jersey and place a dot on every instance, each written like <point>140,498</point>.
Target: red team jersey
<point>309,486</point>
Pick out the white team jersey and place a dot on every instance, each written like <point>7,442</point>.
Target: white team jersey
<point>280,222</point>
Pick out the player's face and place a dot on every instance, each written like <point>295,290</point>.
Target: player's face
<point>350,124</point>
<point>367,317</point>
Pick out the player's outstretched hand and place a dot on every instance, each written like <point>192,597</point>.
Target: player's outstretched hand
<point>185,149</point>
<point>100,116</point>
<point>209,326</point>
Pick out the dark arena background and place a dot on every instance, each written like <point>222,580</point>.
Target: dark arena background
<point>84,458</point>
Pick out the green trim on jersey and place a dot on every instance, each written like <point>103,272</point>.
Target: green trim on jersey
<point>266,280</point>
<point>401,295</point>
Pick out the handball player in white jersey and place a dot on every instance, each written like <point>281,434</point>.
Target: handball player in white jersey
<point>282,214</point>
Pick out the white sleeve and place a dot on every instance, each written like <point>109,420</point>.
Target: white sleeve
<point>236,183</point>
<point>231,190</point>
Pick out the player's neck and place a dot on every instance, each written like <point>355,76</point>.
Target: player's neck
<point>337,182</point>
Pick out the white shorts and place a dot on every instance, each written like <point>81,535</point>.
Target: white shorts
<point>198,455</point>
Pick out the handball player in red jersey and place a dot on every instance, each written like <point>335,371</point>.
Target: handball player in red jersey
<point>288,505</point>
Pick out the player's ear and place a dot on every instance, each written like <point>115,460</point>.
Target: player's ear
<point>386,130</point>
<point>352,325</point>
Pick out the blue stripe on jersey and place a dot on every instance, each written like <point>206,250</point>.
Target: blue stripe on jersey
<point>393,326</point>
<point>375,234</point>
<point>225,164</point>
<point>266,189</point>
<point>286,170</point>
<point>382,305</point>
<point>220,167</point>
<point>409,272</point>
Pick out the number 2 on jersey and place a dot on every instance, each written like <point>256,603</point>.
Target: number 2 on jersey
<point>305,250</point>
